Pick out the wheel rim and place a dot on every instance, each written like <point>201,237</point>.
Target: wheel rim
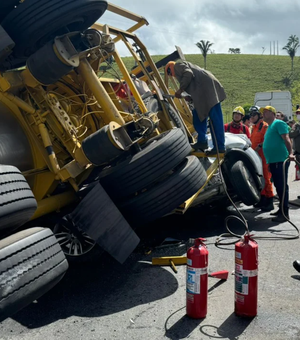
<point>73,244</point>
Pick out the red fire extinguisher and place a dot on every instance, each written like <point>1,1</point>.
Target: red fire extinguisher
<point>246,268</point>
<point>196,280</point>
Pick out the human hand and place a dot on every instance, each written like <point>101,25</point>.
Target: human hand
<point>292,157</point>
<point>178,93</point>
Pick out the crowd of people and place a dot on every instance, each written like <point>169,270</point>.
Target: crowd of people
<point>269,130</point>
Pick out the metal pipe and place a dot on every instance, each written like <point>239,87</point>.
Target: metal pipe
<point>90,77</point>
<point>129,81</point>
<point>17,101</point>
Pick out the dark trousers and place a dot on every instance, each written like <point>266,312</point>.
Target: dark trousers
<point>276,170</point>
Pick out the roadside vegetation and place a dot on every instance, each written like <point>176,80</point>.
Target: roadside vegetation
<point>242,75</point>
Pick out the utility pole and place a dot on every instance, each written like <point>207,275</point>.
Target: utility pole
<point>270,47</point>
<point>274,46</point>
<point>277,48</point>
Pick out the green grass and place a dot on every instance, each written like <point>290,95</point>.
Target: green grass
<point>243,75</point>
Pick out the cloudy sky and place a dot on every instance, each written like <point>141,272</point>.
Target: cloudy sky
<point>246,24</point>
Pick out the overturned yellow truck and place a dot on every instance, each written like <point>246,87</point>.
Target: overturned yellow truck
<point>88,157</point>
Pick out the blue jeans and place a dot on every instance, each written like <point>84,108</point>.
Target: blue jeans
<point>215,120</point>
<point>276,170</point>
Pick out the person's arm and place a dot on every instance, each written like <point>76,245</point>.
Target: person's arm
<point>263,132</point>
<point>288,145</point>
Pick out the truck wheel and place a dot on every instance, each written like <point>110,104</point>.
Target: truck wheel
<point>33,23</point>
<point>244,183</point>
<point>31,263</point>
<point>17,203</point>
<point>77,246</point>
<point>159,155</point>
<point>167,195</point>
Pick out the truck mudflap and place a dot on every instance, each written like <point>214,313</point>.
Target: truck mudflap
<point>99,218</point>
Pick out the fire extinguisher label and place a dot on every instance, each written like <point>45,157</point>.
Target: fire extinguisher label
<point>241,284</point>
<point>193,279</point>
<point>242,279</point>
<point>250,273</point>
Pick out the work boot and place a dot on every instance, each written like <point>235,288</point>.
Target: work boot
<point>261,203</point>
<point>200,145</point>
<point>296,265</point>
<point>268,204</point>
<point>213,152</point>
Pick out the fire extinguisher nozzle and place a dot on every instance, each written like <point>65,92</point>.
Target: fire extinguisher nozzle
<point>222,275</point>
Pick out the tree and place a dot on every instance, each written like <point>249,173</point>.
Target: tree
<point>291,47</point>
<point>234,51</point>
<point>246,107</point>
<point>204,47</point>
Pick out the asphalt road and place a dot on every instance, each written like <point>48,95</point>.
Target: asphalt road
<point>105,300</point>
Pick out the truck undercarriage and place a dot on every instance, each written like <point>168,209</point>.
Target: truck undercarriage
<point>119,156</point>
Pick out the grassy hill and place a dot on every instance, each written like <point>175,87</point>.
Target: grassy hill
<point>243,75</point>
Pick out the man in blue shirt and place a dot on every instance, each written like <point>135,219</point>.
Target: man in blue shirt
<point>277,147</point>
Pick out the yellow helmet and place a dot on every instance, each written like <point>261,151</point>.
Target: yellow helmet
<point>239,110</point>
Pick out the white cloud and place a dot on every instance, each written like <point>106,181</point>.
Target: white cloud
<point>248,25</point>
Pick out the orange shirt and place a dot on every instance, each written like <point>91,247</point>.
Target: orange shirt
<point>258,133</point>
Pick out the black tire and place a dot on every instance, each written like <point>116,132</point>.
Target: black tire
<point>244,184</point>
<point>167,195</point>
<point>31,263</point>
<point>159,155</point>
<point>77,246</point>
<point>35,22</point>
<point>17,203</point>
<point>7,6</point>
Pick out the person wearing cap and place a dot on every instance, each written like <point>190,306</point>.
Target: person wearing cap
<point>277,148</point>
<point>236,126</point>
<point>207,94</point>
<point>259,129</point>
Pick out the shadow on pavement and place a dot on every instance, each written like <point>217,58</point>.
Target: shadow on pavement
<point>231,328</point>
<point>296,277</point>
<point>99,289</point>
<point>182,328</point>
<point>106,287</point>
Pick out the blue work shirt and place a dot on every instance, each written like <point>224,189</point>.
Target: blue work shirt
<point>274,146</point>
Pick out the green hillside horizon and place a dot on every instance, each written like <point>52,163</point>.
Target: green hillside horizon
<point>242,75</point>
